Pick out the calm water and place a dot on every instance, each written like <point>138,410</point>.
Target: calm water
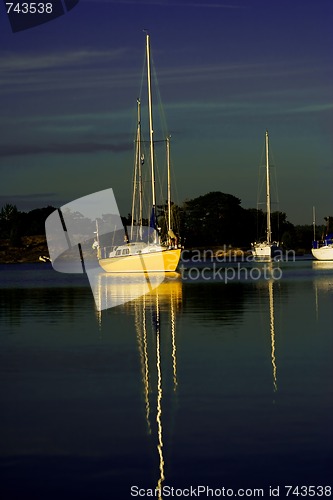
<point>197,383</point>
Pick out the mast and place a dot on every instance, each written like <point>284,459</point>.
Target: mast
<point>268,194</point>
<point>151,130</point>
<point>137,171</point>
<point>314,223</point>
<point>140,160</point>
<point>169,182</point>
<point>97,240</point>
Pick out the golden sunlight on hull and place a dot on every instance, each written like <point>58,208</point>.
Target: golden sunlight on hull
<point>112,289</point>
<point>164,261</point>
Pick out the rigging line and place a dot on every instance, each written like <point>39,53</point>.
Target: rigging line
<point>274,172</point>
<point>139,96</point>
<point>143,74</point>
<point>260,177</point>
<point>174,190</point>
<point>260,188</point>
<point>135,172</point>
<point>163,121</point>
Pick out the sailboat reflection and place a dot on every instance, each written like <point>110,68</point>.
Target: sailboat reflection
<point>323,280</point>
<point>110,290</point>
<point>271,283</point>
<point>272,331</point>
<point>322,265</point>
<point>164,301</point>
<point>152,311</point>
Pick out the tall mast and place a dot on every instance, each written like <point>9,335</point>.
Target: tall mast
<point>268,194</point>
<point>140,162</point>
<point>151,130</point>
<point>314,222</point>
<point>169,182</point>
<point>137,181</point>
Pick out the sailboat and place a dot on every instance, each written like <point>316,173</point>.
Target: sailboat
<point>266,249</point>
<point>143,251</point>
<point>322,249</point>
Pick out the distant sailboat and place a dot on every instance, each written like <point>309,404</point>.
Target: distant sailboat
<point>143,250</point>
<point>264,250</point>
<point>322,249</point>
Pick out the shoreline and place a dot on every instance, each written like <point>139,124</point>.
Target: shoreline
<point>31,248</point>
<point>34,247</point>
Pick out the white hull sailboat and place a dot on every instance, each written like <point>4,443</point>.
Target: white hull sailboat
<point>322,250</point>
<point>143,250</point>
<point>265,250</point>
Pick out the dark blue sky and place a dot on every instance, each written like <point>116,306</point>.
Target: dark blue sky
<point>226,72</point>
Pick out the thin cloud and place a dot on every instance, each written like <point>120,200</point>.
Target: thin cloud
<point>70,121</point>
<point>32,62</point>
<point>239,70</point>
<point>247,105</point>
<point>313,108</point>
<point>83,70</point>
<point>27,197</point>
<point>40,78</point>
<point>73,148</point>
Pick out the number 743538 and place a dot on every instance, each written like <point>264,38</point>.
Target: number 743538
<point>29,8</point>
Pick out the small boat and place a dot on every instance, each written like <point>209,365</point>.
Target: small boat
<point>143,249</point>
<point>265,250</point>
<point>323,249</point>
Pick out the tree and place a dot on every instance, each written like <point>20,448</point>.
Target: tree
<point>33,222</point>
<point>213,219</point>
<point>9,223</point>
<point>8,212</point>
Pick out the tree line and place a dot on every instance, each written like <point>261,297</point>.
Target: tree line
<point>213,219</point>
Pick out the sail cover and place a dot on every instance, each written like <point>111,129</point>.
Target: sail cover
<point>153,218</point>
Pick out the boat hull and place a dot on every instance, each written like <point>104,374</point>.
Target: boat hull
<point>265,251</point>
<point>162,261</point>
<point>262,252</point>
<point>323,253</point>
